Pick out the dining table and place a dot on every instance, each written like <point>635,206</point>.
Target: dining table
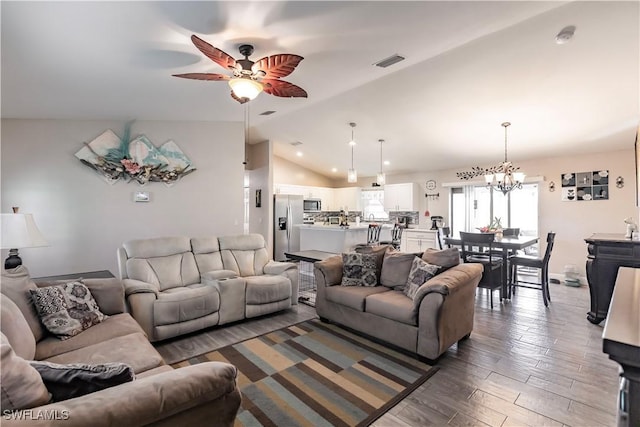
<point>508,244</point>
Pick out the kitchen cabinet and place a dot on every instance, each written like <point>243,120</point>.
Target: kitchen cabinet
<point>418,240</point>
<point>333,199</point>
<point>401,197</point>
<point>347,198</point>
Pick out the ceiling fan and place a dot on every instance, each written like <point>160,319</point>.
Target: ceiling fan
<point>249,78</point>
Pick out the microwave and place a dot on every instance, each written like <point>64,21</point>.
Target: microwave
<point>334,220</point>
<point>312,205</point>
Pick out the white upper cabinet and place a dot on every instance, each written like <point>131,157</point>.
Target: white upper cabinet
<point>401,197</point>
<point>347,198</point>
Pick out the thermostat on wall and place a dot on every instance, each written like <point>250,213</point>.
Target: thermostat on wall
<point>141,196</point>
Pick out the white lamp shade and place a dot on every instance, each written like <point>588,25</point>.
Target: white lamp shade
<point>500,177</point>
<point>245,87</point>
<point>488,178</point>
<point>381,178</point>
<point>20,231</point>
<point>352,176</point>
<point>518,176</point>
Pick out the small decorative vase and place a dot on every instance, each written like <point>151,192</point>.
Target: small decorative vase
<point>498,234</point>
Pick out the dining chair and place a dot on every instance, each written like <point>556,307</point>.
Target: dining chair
<point>373,236</point>
<point>443,232</point>
<point>541,264</point>
<point>396,237</point>
<point>473,245</point>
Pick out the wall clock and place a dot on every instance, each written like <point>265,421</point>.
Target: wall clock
<point>431,185</point>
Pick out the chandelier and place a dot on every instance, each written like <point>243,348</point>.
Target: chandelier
<point>504,177</point>
<point>352,174</point>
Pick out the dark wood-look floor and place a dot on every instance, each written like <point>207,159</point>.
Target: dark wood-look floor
<point>523,365</point>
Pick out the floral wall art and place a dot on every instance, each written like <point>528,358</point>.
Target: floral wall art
<point>136,160</point>
<point>585,186</point>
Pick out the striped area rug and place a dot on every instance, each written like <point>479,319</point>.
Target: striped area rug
<point>316,374</point>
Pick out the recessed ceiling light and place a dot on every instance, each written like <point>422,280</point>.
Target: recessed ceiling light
<point>334,170</point>
<point>387,162</point>
<point>566,34</point>
<point>299,153</point>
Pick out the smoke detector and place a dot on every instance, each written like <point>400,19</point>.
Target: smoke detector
<point>565,35</point>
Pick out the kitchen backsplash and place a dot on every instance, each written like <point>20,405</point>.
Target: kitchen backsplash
<point>414,216</point>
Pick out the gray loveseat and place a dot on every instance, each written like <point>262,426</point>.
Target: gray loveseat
<point>441,314</point>
<point>176,285</point>
<point>159,396</point>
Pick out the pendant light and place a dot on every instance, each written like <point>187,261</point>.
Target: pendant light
<point>352,174</point>
<point>380,179</point>
<point>506,176</point>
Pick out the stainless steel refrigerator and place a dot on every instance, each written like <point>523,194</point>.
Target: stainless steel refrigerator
<point>287,213</point>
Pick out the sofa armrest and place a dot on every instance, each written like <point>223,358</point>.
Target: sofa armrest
<point>132,286</point>
<point>328,272</point>
<point>218,275</point>
<point>184,396</point>
<point>278,267</point>
<point>450,281</point>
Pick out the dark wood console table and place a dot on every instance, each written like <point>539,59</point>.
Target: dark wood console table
<point>606,254</point>
<point>621,341</point>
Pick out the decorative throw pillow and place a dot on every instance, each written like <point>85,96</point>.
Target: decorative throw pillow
<point>20,385</point>
<point>420,272</point>
<point>77,379</point>
<point>395,269</point>
<point>66,309</point>
<point>445,258</point>
<point>359,269</point>
<point>378,251</point>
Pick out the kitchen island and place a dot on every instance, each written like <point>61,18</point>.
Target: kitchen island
<point>336,239</point>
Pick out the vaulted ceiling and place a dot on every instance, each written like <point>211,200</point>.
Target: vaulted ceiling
<point>469,67</point>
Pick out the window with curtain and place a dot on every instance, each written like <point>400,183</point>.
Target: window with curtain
<point>475,206</point>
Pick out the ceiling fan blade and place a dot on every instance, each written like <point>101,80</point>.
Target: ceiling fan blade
<point>213,53</point>
<point>203,76</point>
<point>283,89</point>
<point>237,98</point>
<point>277,66</point>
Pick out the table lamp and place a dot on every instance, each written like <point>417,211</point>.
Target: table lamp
<point>19,231</point>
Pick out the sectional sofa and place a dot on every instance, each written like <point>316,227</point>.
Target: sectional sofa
<point>176,285</point>
<point>159,396</point>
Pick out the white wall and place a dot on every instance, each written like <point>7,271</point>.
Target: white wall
<point>260,178</point>
<point>286,172</point>
<point>85,219</point>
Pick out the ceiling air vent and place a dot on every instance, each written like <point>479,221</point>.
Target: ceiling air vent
<point>387,62</point>
<point>267,113</point>
<point>295,143</point>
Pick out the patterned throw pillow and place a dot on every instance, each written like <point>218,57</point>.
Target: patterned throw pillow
<point>359,269</point>
<point>66,309</point>
<point>420,272</point>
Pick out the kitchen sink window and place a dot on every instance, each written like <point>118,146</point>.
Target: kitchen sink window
<point>373,205</point>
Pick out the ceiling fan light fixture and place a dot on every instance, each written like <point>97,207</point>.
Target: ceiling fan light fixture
<point>245,87</point>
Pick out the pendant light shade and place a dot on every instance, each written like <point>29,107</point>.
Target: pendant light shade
<point>381,178</point>
<point>352,174</point>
